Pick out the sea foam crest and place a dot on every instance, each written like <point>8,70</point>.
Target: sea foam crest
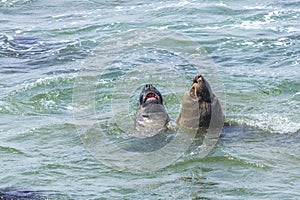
<point>273,123</point>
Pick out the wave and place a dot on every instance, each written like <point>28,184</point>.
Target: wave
<point>274,123</point>
<point>44,96</point>
<point>14,3</point>
<point>27,53</point>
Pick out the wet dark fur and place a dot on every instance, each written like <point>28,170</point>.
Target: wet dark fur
<point>204,97</point>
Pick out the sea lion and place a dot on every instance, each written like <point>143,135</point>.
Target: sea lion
<point>151,115</point>
<point>200,108</point>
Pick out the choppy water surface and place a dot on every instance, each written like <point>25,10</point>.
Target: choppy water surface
<point>254,45</point>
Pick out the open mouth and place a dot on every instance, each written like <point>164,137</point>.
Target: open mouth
<point>151,96</point>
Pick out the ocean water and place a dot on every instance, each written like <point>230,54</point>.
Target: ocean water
<point>72,70</point>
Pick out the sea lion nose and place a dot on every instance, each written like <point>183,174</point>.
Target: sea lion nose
<point>198,78</point>
<point>148,86</point>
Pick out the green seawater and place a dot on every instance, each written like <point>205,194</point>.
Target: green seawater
<point>250,56</point>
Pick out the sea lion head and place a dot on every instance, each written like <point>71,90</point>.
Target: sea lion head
<point>150,95</point>
<point>200,107</point>
<point>200,89</point>
<point>151,115</point>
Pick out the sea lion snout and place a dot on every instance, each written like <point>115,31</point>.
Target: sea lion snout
<point>148,87</point>
<point>198,78</point>
<point>194,91</point>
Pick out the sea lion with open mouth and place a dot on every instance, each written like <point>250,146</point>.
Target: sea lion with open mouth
<point>200,108</point>
<point>151,115</point>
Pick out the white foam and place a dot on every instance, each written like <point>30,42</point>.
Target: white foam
<point>268,17</point>
<point>221,4</point>
<point>253,24</point>
<point>174,5</point>
<point>46,80</point>
<point>254,7</point>
<point>292,29</point>
<point>274,123</point>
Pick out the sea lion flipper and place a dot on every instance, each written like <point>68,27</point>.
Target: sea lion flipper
<point>217,116</point>
<point>178,119</point>
<point>172,126</point>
